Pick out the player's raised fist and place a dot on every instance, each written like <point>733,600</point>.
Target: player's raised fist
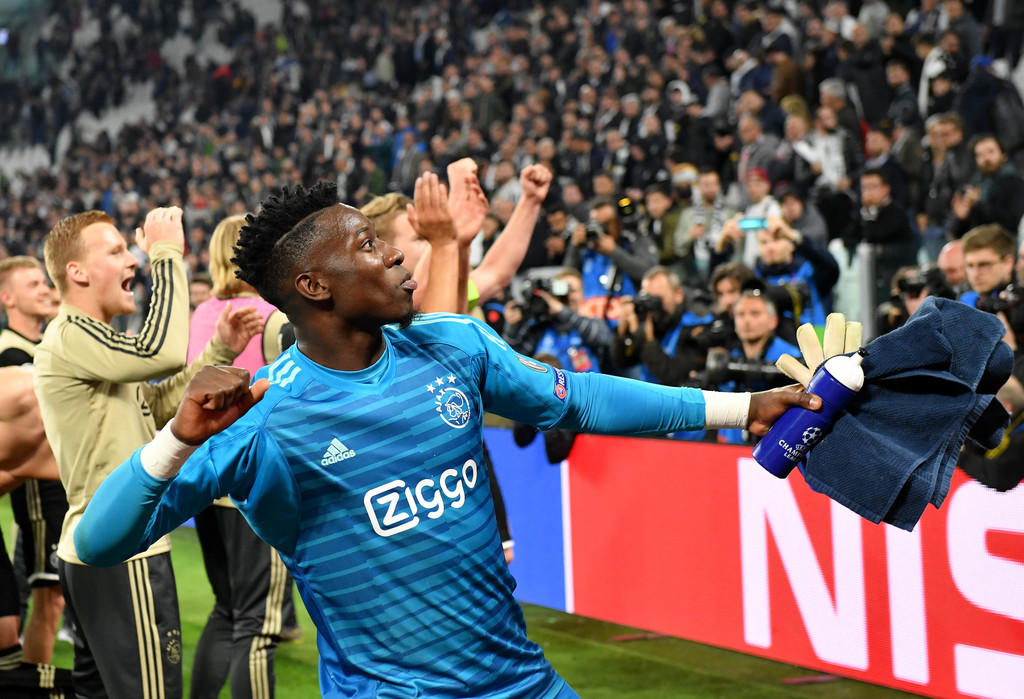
<point>214,399</point>
<point>162,224</point>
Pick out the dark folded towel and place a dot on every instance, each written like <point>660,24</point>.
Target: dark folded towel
<point>928,387</point>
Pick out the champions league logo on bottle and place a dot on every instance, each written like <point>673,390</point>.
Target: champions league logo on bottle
<point>450,402</point>
<point>811,435</point>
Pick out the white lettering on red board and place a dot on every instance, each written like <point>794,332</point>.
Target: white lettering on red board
<point>836,625</point>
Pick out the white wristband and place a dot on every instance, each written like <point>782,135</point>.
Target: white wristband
<point>724,410</point>
<point>166,454</point>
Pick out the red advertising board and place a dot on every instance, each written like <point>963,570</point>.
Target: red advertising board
<point>697,541</point>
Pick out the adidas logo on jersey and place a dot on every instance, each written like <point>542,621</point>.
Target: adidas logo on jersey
<point>336,452</point>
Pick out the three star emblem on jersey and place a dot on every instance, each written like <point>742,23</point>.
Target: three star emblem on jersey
<point>336,452</point>
<point>450,402</point>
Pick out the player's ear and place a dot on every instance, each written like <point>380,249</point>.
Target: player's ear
<point>308,284</point>
<point>75,271</point>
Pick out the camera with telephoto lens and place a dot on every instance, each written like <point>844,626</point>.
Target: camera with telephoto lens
<point>925,277</point>
<point>629,213</point>
<point>535,306</point>
<point>595,229</point>
<point>718,333</point>
<point>722,367</point>
<point>1002,302</point>
<point>645,305</point>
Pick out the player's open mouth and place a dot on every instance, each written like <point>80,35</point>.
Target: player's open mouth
<point>126,285</point>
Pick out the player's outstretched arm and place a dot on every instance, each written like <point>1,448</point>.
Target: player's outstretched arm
<point>527,391</point>
<point>596,405</point>
<point>120,520</point>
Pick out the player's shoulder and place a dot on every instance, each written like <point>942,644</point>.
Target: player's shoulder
<point>460,331</point>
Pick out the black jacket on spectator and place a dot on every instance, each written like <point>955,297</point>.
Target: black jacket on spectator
<point>865,68</point>
<point>1002,202</point>
<point>954,172</point>
<point>669,371</point>
<point>889,229</point>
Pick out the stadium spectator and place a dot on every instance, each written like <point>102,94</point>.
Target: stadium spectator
<point>661,219</point>
<point>651,327</point>
<point>787,258</point>
<point>989,260</point>
<point>738,243</point>
<point>995,194</point>
<point>833,95</point>
<point>955,167</point>
<point>1005,22</point>
<point>878,152</point>
<point>835,159</point>
<point>756,320</point>
<point>200,288</point>
<point>903,106</point>
<point>965,25</point>
<point>549,323</point>
<point>884,224</point>
<point>611,258</point>
<point>951,263</point>
<point>700,227</point>
<point>802,216</point>
<point>757,150</point>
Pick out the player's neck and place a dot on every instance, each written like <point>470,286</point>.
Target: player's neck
<point>88,305</point>
<point>342,349</point>
<point>29,327</point>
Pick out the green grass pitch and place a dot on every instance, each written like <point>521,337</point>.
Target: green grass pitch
<point>580,649</point>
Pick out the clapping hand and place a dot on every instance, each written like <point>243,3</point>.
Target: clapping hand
<point>429,214</point>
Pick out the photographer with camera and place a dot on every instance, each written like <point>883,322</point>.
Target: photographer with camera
<point>611,256</point>
<point>651,328</point>
<point>803,268</point>
<point>549,322</point>
<point>910,287</point>
<point>989,258</point>
<point>751,366</point>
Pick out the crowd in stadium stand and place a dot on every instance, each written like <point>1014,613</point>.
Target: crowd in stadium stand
<point>704,153</point>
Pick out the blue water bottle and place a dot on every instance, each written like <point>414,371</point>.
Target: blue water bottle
<point>836,382</point>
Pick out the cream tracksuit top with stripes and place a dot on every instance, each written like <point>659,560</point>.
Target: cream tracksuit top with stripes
<point>95,388</point>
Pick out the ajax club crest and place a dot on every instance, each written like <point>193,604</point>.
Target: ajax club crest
<point>450,402</point>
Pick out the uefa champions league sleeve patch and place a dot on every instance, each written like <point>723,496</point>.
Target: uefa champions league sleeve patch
<point>561,389</point>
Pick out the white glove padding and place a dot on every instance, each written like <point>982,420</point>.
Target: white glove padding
<point>840,338</point>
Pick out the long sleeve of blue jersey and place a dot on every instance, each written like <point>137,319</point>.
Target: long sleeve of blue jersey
<point>131,509</point>
<point>528,391</point>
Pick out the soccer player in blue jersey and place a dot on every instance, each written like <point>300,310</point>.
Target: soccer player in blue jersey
<point>362,462</point>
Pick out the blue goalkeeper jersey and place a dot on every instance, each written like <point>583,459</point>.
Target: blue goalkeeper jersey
<point>371,484</point>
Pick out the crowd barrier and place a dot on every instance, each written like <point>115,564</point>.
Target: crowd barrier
<point>697,541</point>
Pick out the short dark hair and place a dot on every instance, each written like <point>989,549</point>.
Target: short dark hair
<point>274,239</point>
<point>876,172</point>
<point>731,270</point>
<point>986,137</point>
<point>599,202</point>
